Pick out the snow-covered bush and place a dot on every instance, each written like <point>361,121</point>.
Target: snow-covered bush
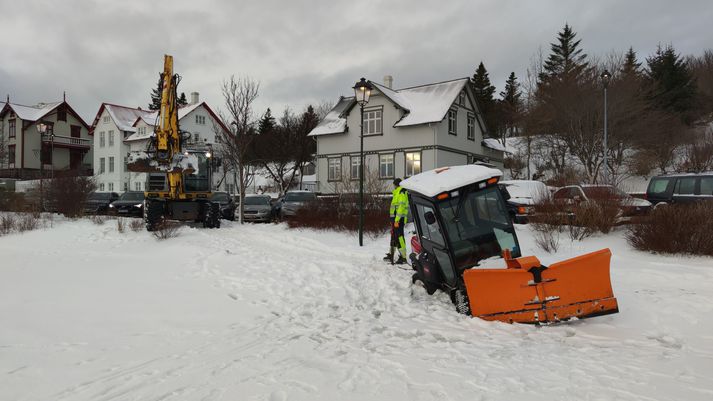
<point>120,225</point>
<point>136,225</point>
<point>166,230</point>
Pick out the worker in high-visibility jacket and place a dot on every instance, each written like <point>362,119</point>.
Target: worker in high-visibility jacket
<point>398,213</point>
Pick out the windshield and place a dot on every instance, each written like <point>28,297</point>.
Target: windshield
<point>604,192</point>
<point>99,196</point>
<point>481,229</point>
<point>257,200</point>
<point>299,196</point>
<point>199,180</point>
<point>132,196</point>
<point>220,196</point>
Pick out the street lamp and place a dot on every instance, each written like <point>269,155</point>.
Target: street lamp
<point>42,129</point>
<point>362,91</point>
<point>606,77</point>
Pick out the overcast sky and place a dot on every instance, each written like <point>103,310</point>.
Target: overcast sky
<point>307,51</point>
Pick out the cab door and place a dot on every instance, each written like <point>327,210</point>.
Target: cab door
<point>435,257</point>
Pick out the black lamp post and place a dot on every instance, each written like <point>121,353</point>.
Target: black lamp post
<point>362,91</point>
<point>42,129</point>
<point>606,77</point>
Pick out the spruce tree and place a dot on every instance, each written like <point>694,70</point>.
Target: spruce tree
<point>631,67</point>
<point>156,96</point>
<point>566,61</point>
<point>510,108</point>
<point>267,122</point>
<point>674,88</point>
<point>182,101</point>
<point>484,91</point>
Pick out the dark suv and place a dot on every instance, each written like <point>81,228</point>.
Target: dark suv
<point>680,188</point>
<point>98,202</point>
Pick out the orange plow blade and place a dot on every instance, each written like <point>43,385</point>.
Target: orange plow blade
<point>530,293</point>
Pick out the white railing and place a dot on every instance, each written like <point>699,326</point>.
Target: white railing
<point>66,140</point>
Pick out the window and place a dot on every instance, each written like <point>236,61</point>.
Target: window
<point>471,127</point>
<point>354,171</point>
<point>141,130</point>
<point>102,139</point>
<point>137,186</point>
<point>461,99</point>
<point>111,164</point>
<point>334,172</point>
<point>430,232</point>
<point>11,128</point>
<point>106,119</point>
<point>126,186</point>
<point>111,187</point>
<point>61,114</point>
<point>386,166</point>
<point>413,163</point>
<point>11,156</point>
<point>706,185</point>
<point>200,120</point>
<point>452,122</point>
<point>196,137</point>
<point>659,185</point>
<point>372,122</point>
<point>685,186</point>
<point>101,165</point>
<point>126,163</point>
<point>111,138</point>
<point>101,187</point>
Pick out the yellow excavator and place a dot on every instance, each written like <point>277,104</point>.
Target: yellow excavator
<point>179,179</point>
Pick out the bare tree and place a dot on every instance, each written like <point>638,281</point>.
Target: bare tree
<point>239,95</point>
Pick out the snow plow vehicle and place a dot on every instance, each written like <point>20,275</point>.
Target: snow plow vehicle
<point>462,222</point>
<point>179,179</point>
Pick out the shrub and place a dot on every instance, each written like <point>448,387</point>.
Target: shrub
<point>97,219</point>
<point>136,225</point>
<point>547,236</point>
<point>675,229</point>
<point>166,229</point>
<point>12,201</point>
<point>68,194</point>
<point>7,224</point>
<point>341,213</point>
<point>120,225</point>
<point>27,222</point>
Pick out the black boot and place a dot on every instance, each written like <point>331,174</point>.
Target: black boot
<point>400,261</point>
<point>389,258</point>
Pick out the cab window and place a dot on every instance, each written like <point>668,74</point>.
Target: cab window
<point>431,232</point>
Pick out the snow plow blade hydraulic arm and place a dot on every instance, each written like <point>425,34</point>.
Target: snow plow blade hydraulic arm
<point>527,292</point>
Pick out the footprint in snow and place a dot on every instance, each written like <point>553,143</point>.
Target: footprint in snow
<point>278,395</point>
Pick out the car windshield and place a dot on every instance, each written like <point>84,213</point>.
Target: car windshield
<point>220,196</point>
<point>100,196</point>
<point>132,196</point>
<point>604,192</point>
<point>257,200</point>
<point>478,227</point>
<point>299,196</point>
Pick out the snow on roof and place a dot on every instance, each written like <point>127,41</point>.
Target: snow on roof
<point>124,117</point>
<point>150,120</point>
<point>424,104</point>
<point>33,113</point>
<point>335,122</point>
<point>433,182</point>
<point>495,144</point>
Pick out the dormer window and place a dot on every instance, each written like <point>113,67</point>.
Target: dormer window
<point>373,122</point>
<point>461,98</point>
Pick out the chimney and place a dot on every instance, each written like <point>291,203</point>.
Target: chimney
<point>194,97</point>
<point>388,81</point>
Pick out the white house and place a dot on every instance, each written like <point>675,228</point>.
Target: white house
<point>29,153</point>
<point>136,127</point>
<point>406,131</point>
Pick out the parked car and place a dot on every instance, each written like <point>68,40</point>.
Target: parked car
<point>680,188</point>
<point>522,196</point>
<point>258,208</point>
<point>227,205</point>
<point>98,202</point>
<point>577,195</point>
<point>129,204</point>
<point>292,202</point>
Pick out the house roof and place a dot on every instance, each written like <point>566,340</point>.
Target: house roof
<point>122,116</point>
<point>421,105</point>
<point>150,120</point>
<point>37,112</point>
<point>335,122</point>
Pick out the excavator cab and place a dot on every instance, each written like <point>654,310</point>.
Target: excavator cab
<point>462,222</point>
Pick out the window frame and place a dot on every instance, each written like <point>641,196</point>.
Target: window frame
<point>461,98</point>
<point>102,165</point>
<point>338,167</point>
<point>111,138</point>
<point>111,164</point>
<point>11,151</point>
<point>420,162</point>
<point>393,165</point>
<point>12,128</point>
<point>102,139</point>
<point>351,167</point>
<point>380,110</point>
<point>470,124</point>
<point>453,120</point>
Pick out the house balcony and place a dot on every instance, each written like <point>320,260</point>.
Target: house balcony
<point>60,141</point>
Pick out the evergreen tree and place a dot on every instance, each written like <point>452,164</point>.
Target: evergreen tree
<point>566,61</point>
<point>673,85</point>
<point>182,101</point>
<point>267,122</point>
<point>631,67</point>
<point>483,90</point>
<point>156,96</point>
<point>510,108</point>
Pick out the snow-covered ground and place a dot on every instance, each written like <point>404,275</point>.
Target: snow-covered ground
<point>261,312</point>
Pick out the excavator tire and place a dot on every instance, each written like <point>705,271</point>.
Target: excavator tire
<point>154,215</point>
<point>212,215</point>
